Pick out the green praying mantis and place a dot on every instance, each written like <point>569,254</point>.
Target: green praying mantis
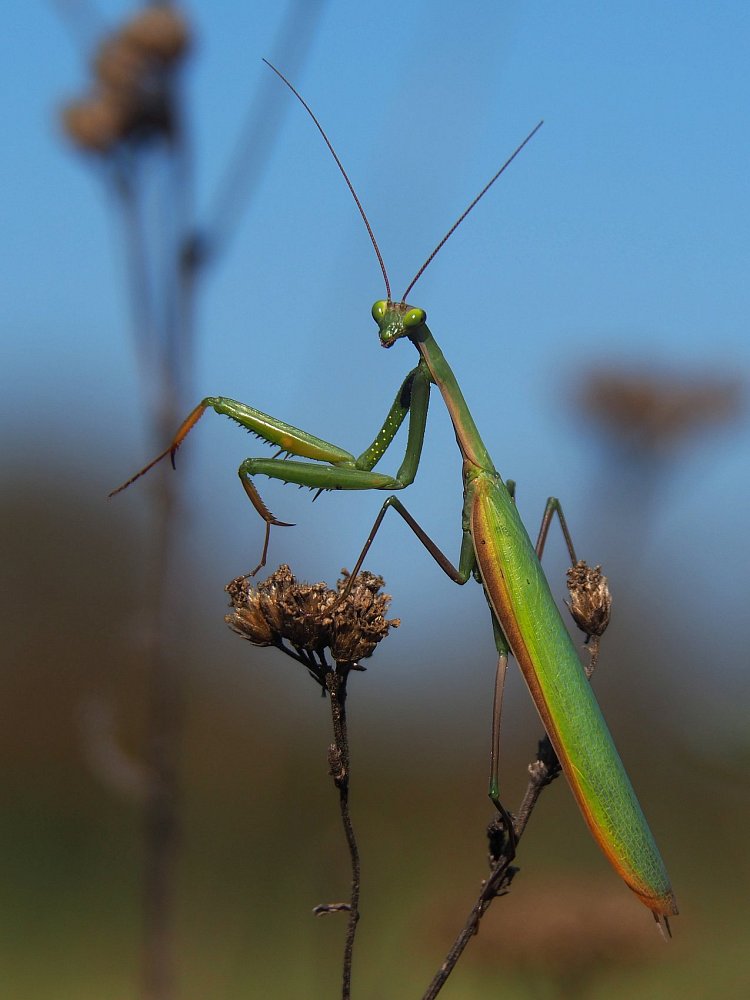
<point>495,549</point>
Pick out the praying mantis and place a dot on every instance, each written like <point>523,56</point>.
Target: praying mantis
<point>495,549</point>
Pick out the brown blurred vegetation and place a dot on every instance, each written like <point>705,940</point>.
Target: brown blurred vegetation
<point>261,842</point>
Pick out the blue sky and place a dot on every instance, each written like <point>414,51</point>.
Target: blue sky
<point>620,235</point>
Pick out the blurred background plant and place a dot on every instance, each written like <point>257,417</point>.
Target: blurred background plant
<point>617,246</point>
<point>132,124</point>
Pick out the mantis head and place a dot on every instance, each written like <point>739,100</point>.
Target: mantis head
<point>397,319</point>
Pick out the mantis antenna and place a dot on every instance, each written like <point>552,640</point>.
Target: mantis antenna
<point>366,221</point>
<point>344,174</point>
<point>461,218</point>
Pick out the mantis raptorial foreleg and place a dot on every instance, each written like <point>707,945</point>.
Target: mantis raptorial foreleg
<point>338,469</point>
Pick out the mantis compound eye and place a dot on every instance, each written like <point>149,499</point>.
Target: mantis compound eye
<point>379,310</point>
<point>414,317</point>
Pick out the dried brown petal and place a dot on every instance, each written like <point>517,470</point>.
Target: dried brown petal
<point>653,412</point>
<point>590,600</point>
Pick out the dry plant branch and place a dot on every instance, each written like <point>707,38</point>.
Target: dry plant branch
<point>304,620</point>
<point>131,125</point>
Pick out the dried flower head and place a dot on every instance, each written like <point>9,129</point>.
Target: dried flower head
<point>94,124</point>
<point>297,612</point>
<point>311,617</point>
<point>247,619</point>
<point>131,98</point>
<point>359,622</point>
<point>590,599</point>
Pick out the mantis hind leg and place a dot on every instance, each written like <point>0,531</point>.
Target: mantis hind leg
<point>552,507</point>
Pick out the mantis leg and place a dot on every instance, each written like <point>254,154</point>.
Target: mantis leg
<point>553,507</point>
<point>466,562</point>
<point>460,574</point>
<point>329,467</point>
<point>503,651</point>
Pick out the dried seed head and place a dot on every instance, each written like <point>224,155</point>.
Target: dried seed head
<point>131,99</point>
<point>590,600</point>
<point>159,32</point>
<point>94,124</point>
<point>359,622</point>
<point>281,609</point>
<point>119,65</point>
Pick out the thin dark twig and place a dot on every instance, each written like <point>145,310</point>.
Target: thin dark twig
<point>162,385</point>
<point>339,767</point>
<point>542,772</point>
<point>496,885</point>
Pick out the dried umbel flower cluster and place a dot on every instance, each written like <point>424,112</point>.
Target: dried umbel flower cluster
<point>130,99</point>
<point>310,617</point>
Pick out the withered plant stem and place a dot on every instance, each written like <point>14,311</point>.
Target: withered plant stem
<point>339,761</point>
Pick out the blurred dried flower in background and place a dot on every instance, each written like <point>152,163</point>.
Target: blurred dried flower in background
<point>133,69</point>
<point>95,124</point>
<point>651,413</point>
<point>311,618</point>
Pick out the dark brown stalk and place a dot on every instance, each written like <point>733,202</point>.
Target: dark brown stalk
<point>145,113</point>
<point>162,370</point>
<point>542,771</point>
<point>339,765</point>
